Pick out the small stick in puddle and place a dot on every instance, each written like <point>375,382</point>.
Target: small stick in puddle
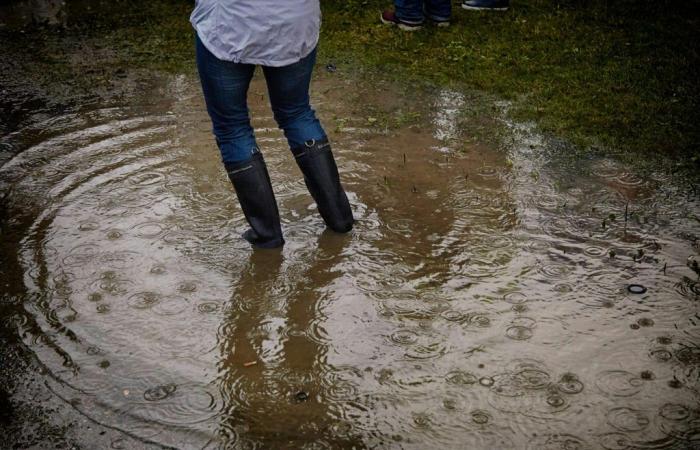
<point>249,363</point>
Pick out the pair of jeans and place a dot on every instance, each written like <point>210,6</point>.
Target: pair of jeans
<point>414,11</point>
<point>225,86</point>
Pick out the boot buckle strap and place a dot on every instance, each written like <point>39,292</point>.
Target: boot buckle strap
<point>250,166</point>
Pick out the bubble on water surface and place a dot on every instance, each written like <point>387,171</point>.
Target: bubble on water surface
<point>81,255</point>
<point>478,268</point>
<point>555,270</point>
<point>619,383</point>
<point>627,419</point>
<point>149,229</point>
<point>486,381</point>
<point>480,417</point>
<point>595,251</point>
<point>547,201</point>
<point>427,351</point>
<point>170,305</point>
<point>532,378</point>
<point>479,320</point>
<point>453,316</point>
<point>629,179</point>
<point>674,412</point>
<point>556,401</point>
<point>114,235</point>
<point>187,287</point>
<point>615,441</point>
<point>147,178</point>
<point>461,378</point>
<point>519,333</point>
<point>160,392</point>
<point>647,375</point>
<point>645,322</point>
<point>422,420</point>
<point>487,171</point>
<point>558,442</point>
<point>143,300</point>
<point>208,307</point>
<point>515,298</point>
<point>404,337</point>
<point>525,322</point>
<point>158,269</point>
<point>88,226</point>
<point>569,384</point>
<point>563,288</point>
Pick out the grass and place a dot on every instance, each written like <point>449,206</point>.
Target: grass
<point>619,75</point>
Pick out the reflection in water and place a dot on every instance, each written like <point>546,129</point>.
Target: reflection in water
<point>482,300</point>
<point>277,383</point>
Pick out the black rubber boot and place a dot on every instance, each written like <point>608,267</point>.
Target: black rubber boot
<point>316,162</point>
<point>254,191</point>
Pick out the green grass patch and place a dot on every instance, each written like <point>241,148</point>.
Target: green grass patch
<point>619,75</point>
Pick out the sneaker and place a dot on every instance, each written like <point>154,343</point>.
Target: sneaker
<point>486,5</point>
<point>388,17</point>
<point>441,23</point>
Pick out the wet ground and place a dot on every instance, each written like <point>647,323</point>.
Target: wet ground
<point>484,300</point>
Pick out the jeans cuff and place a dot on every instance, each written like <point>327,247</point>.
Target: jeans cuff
<point>412,20</point>
<point>232,153</point>
<point>438,18</point>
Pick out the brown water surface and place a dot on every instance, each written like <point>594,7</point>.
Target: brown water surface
<point>480,302</point>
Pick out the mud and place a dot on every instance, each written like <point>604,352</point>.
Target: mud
<point>481,301</point>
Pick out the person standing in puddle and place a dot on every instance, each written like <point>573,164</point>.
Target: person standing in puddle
<point>232,38</point>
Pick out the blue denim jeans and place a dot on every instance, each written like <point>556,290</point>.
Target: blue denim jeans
<point>225,86</point>
<point>414,11</point>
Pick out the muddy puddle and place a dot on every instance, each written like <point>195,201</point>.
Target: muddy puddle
<point>482,300</point>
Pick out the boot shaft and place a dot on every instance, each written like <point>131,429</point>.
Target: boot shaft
<point>251,182</point>
<point>315,159</point>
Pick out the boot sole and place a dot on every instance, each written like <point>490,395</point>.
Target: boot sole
<point>249,236</point>
<point>481,8</point>
<point>401,26</point>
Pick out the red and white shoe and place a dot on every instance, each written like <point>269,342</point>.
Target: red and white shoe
<point>388,17</point>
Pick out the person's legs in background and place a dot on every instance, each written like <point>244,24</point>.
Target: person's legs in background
<point>486,5</point>
<point>409,11</point>
<point>225,87</point>
<point>439,11</point>
<point>288,88</point>
<point>409,15</point>
<point>406,14</point>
